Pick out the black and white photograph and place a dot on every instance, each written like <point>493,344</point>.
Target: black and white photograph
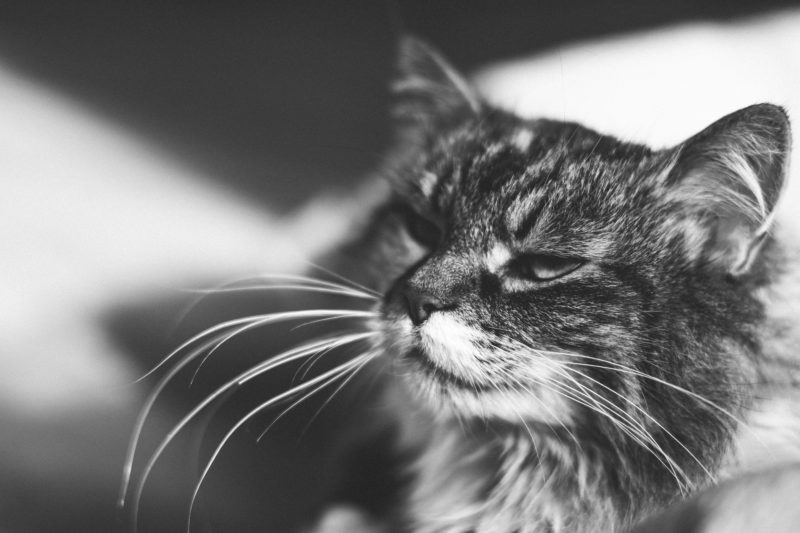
<point>399,266</point>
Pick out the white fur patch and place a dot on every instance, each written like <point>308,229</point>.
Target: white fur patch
<point>497,257</point>
<point>522,139</point>
<point>452,345</point>
<point>427,182</point>
<point>519,407</point>
<point>493,149</point>
<point>346,519</point>
<point>449,344</point>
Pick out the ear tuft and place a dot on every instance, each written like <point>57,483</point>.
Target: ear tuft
<point>427,90</point>
<point>729,177</point>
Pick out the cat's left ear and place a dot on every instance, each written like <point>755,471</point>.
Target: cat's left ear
<point>728,178</point>
<point>428,92</point>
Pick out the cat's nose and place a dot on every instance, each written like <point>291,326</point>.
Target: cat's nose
<point>421,305</point>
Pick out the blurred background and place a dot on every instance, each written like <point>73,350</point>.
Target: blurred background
<point>147,147</point>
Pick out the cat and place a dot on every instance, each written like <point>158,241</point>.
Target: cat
<point>580,322</point>
<point>573,330</point>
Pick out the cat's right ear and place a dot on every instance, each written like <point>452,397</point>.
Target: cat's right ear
<point>427,91</point>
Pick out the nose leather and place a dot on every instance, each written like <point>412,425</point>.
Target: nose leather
<point>421,305</point>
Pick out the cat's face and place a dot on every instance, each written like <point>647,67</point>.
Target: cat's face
<point>539,272</point>
<point>518,266</point>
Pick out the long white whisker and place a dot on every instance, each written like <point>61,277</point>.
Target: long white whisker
<point>627,416</point>
<point>144,413</point>
<point>634,427</point>
<point>344,279</point>
<point>317,321</point>
<point>611,365</point>
<point>165,380</point>
<point>309,394</point>
<point>508,375</point>
<point>301,278</point>
<point>631,427</point>
<point>653,420</point>
<point>305,366</point>
<point>339,314</point>
<point>553,366</point>
<point>205,333</point>
<point>633,371</point>
<point>303,282</point>
<point>238,381</point>
<point>628,370</point>
<point>294,286</point>
<point>329,376</point>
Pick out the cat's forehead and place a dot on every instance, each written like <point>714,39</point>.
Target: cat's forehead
<point>559,180</point>
<point>507,155</point>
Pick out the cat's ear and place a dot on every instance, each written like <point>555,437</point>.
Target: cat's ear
<point>728,179</point>
<point>427,91</point>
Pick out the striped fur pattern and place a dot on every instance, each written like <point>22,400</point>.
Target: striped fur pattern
<point>573,323</point>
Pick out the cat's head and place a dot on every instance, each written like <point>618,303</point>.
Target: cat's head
<point>541,272</point>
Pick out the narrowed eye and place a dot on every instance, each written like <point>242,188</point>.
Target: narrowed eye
<point>542,267</point>
<point>423,230</point>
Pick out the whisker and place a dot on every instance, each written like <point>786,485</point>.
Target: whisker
<point>633,371</point>
<point>309,394</point>
<point>300,278</point>
<point>328,377</point>
<point>305,366</point>
<point>654,421</point>
<point>638,373</point>
<point>508,375</point>
<point>167,378</point>
<point>317,321</point>
<point>630,422</point>
<point>632,427</point>
<point>332,314</point>
<point>654,444</point>
<point>144,413</point>
<point>344,279</point>
<point>303,283</point>
<point>289,286</point>
<point>281,359</point>
<point>205,333</point>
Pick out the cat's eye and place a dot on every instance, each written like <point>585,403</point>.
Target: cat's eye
<point>423,230</point>
<point>543,267</point>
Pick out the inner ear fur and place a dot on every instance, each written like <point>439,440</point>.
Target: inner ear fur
<point>427,91</point>
<point>729,178</point>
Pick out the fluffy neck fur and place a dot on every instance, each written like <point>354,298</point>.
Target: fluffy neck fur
<point>507,481</point>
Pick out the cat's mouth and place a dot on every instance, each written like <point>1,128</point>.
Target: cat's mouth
<point>418,357</point>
